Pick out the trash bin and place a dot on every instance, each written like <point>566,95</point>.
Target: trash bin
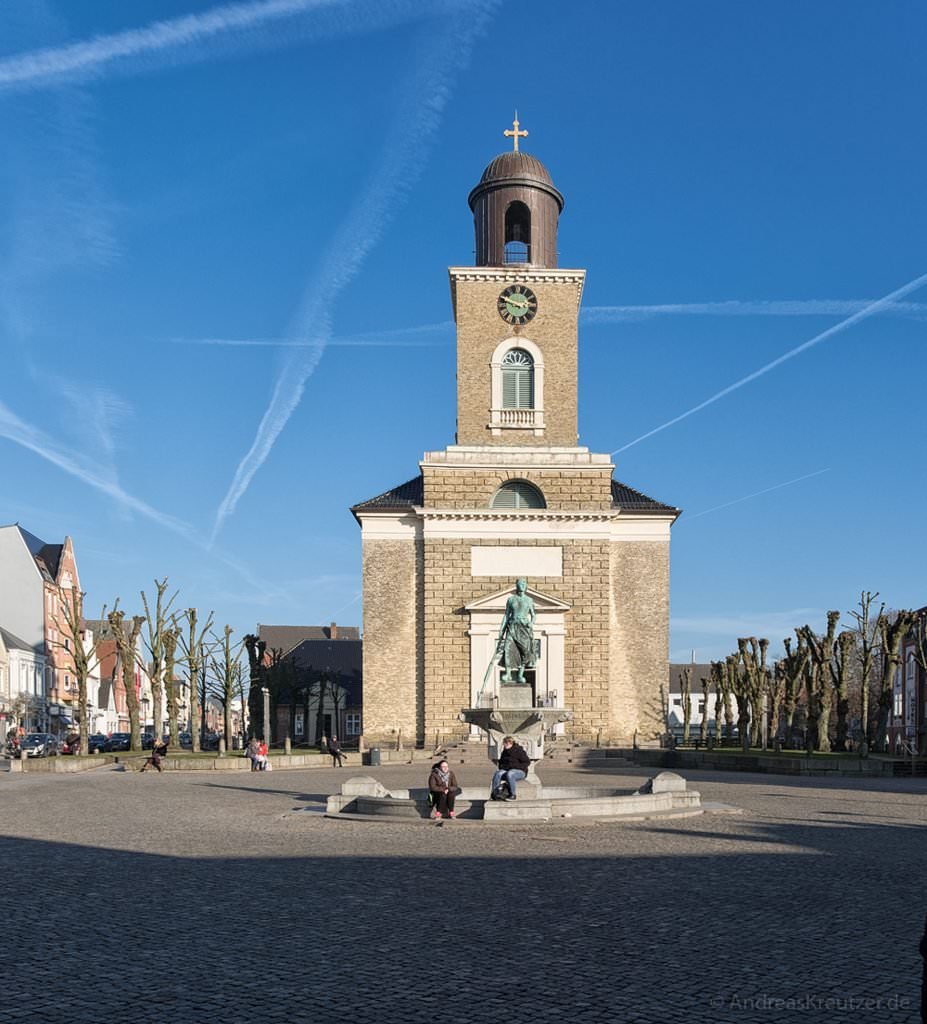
<point>373,756</point>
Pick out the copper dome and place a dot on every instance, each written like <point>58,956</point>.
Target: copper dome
<point>513,168</point>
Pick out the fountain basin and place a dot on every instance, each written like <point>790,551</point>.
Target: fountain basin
<point>665,795</point>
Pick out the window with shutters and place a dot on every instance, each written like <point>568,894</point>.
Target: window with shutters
<point>517,380</point>
<point>517,387</point>
<point>518,494</point>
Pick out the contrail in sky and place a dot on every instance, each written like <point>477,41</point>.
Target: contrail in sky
<point>24,434</point>
<point>870,309</point>
<point>736,307</point>
<point>756,494</point>
<point>420,114</point>
<point>94,57</point>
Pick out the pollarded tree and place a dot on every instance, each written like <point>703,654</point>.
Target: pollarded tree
<point>843,670</point>
<point>71,629</point>
<point>703,725</point>
<point>685,683</point>
<point>719,675</point>
<point>792,668</point>
<point>892,629</point>
<point>739,686</point>
<point>819,679</point>
<point>157,623</point>
<point>195,654</point>
<point>866,630</point>
<point>169,639</point>
<point>754,674</point>
<point>225,675</point>
<point>126,638</point>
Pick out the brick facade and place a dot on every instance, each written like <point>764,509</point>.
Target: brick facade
<point>393,678</point>
<point>480,329</point>
<point>574,490</point>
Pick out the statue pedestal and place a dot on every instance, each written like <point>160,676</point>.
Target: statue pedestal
<point>526,724</point>
<point>514,695</point>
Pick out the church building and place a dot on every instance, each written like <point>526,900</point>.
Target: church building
<point>515,496</point>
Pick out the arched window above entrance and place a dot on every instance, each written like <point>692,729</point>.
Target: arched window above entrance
<point>518,494</point>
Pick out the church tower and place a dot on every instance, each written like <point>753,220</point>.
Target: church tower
<point>515,496</point>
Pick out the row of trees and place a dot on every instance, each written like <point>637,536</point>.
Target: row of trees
<point>824,680</point>
<point>160,642</point>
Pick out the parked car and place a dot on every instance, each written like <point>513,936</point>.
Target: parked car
<point>96,742</point>
<point>186,740</point>
<point>118,741</point>
<point>40,744</point>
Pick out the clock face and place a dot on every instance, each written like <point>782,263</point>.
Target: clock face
<point>517,304</point>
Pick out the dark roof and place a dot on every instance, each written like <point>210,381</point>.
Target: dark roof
<point>511,168</point>
<point>629,500</point>
<point>100,628</point>
<point>411,493</point>
<point>285,638</point>
<point>406,495</point>
<point>47,556</point>
<point>340,660</point>
<point>13,643</point>
<point>700,670</point>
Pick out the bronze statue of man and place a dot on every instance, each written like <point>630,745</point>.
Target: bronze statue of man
<point>516,634</point>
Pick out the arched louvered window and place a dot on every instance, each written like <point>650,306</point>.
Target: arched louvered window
<point>518,494</point>
<point>517,380</point>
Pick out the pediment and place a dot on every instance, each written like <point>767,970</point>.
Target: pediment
<point>496,602</point>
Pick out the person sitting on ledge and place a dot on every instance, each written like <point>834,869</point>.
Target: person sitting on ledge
<point>442,784</point>
<point>513,766</point>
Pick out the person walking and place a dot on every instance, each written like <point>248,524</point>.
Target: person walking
<point>334,748</point>
<point>157,752</point>
<point>442,785</point>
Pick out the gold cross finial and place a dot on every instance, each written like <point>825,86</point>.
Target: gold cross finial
<point>514,135</point>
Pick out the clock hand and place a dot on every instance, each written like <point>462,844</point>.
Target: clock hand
<point>518,303</point>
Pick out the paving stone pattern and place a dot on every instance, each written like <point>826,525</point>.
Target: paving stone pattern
<point>174,897</point>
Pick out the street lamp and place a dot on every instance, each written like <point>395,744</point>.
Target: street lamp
<point>266,695</point>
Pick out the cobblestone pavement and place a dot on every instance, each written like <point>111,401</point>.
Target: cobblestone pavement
<point>221,896</point>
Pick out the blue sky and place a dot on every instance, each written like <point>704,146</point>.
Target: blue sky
<point>738,179</point>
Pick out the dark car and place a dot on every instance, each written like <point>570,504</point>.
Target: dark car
<point>118,741</point>
<point>40,744</point>
<point>96,742</point>
<point>186,740</point>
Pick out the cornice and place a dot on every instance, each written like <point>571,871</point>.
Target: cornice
<point>510,275</point>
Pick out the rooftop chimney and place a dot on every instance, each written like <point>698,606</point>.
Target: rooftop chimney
<point>333,632</point>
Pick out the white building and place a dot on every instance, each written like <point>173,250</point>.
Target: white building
<point>22,685</point>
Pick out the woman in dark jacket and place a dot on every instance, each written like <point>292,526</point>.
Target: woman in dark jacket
<point>442,784</point>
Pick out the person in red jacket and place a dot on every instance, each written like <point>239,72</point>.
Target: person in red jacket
<point>513,766</point>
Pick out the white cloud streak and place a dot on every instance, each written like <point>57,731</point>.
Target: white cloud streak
<point>35,440</point>
<point>444,53</point>
<point>737,308</point>
<point>757,494</point>
<point>871,309</point>
<point>91,58</point>
<point>186,37</point>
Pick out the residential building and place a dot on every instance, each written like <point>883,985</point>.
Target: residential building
<point>675,701</point>
<point>325,696</point>
<point>22,685</point>
<point>35,579</point>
